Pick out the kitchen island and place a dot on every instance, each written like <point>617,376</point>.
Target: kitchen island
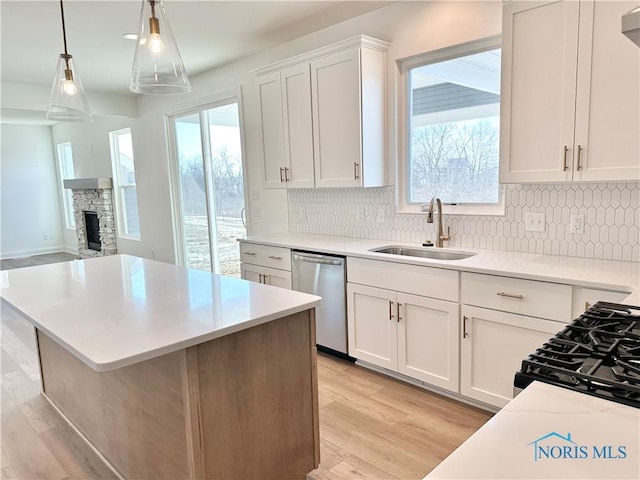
<point>175,373</point>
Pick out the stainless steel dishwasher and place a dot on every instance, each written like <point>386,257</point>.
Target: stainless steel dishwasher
<point>324,275</point>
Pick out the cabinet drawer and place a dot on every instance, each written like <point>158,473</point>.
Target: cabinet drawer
<point>265,255</point>
<point>418,280</point>
<point>526,297</point>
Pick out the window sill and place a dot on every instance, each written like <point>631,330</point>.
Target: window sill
<point>130,237</point>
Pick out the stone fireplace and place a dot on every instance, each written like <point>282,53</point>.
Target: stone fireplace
<point>93,207</point>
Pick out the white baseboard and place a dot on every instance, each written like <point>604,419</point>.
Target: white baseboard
<point>35,251</point>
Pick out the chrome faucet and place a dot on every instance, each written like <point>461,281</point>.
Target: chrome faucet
<point>441,237</point>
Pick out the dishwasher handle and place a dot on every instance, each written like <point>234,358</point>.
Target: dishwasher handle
<point>320,259</point>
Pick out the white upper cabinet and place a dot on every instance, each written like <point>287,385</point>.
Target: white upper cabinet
<point>271,131</point>
<point>570,95</point>
<point>331,118</point>
<point>298,127</point>
<point>608,95</point>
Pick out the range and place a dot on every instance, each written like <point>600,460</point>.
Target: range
<point>598,354</point>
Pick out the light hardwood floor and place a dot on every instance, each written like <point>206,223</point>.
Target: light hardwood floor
<point>43,259</point>
<point>371,426</point>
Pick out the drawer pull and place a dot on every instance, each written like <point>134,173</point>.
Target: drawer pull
<point>249,253</point>
<point>390,311</point>
<point>510,295</point>
<point>274,257</point>
<point>259,278</point>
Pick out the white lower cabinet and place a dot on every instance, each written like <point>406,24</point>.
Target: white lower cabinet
<point>266,275</point>
<point>412,335</point>
<point>493,345</point>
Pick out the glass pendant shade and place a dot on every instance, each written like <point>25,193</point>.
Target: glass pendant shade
<point>68,99</point>
<point>157,65</point>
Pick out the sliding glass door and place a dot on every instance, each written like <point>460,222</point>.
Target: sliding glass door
<point>208,187</point>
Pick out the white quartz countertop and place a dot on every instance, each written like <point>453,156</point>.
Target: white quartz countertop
<point>586,272</point>
<point>118,310</point>
<point>548,432</point>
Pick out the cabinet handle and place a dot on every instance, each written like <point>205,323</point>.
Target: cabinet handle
<point>282,171</point>
<point>259,278</point>
<point>587,306</point>
<point>398,312</point>
<point>355,171</point>
<point>578,166</point>
<point>249,253</point>
<point>274,257</point>
<point>390,311</point>
<point>464,327</point>
<point>264,278</point>
<point>510,295</point>
<point>286,174</point>
<point>566,149</point>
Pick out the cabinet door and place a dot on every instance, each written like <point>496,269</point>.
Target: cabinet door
<point>492,349</point>
<point>335,87</point>
<point>371,318</point>
<point>298,131</point>
<point>428,345</point>
<point>253,273</point>
<point>608,98</point>
<point>539,59</point>
<point>276,278</point>
<point>271,130</point>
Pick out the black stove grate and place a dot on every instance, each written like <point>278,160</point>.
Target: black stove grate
<point>598,354</point>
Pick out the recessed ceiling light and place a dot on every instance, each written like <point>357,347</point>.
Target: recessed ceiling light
<point>130,36</point>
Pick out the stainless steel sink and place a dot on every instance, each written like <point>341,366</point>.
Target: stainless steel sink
<point>424,252</point>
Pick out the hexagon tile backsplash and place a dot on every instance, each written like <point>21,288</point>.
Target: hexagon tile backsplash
<point>611,219</point>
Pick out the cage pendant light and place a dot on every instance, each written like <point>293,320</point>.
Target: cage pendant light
<point>68,100</point>
<point>157,65</point>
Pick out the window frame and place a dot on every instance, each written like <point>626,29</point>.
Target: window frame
<point>65,165</point>
<point>402,165</point>
<point>119,186</point>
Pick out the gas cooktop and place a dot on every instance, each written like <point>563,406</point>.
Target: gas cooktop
<point>598,354</point>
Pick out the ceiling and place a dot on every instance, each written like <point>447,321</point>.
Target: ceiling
<point>208,34</point>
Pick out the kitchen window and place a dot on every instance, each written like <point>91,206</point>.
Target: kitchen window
<point>124,180</point>
<point>450,128</point>
<point>65,169</point>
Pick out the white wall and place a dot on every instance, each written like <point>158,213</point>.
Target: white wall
<point>411,27</point>
<point>30,195</point>
<point>91,158</point>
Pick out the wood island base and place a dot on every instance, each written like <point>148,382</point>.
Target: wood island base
<point>243,406</point>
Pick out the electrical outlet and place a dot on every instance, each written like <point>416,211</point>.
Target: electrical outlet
<point>576,223</point>
<point>534,222</point>
<point>380,217</point>
<point>255,194</point>
<point>255,211</point>
<point>303,214</point>
<point>52,236</point>
<point>360,215</point>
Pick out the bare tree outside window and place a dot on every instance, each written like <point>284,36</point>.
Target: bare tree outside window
<point>454,130</point>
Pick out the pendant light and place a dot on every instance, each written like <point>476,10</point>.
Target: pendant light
<point>157,65</point>
<point>68,99</point>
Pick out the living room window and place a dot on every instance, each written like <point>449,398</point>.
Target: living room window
<point>124,179</point>
<point>66,172</point>
<point>450,129</point>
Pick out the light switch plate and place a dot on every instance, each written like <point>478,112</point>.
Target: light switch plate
<point>360,214</point>
<point>534,222</point>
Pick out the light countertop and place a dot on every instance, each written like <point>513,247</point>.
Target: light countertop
<point>586,272</point>
<point>575,425</point>
<point>118,310</point>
